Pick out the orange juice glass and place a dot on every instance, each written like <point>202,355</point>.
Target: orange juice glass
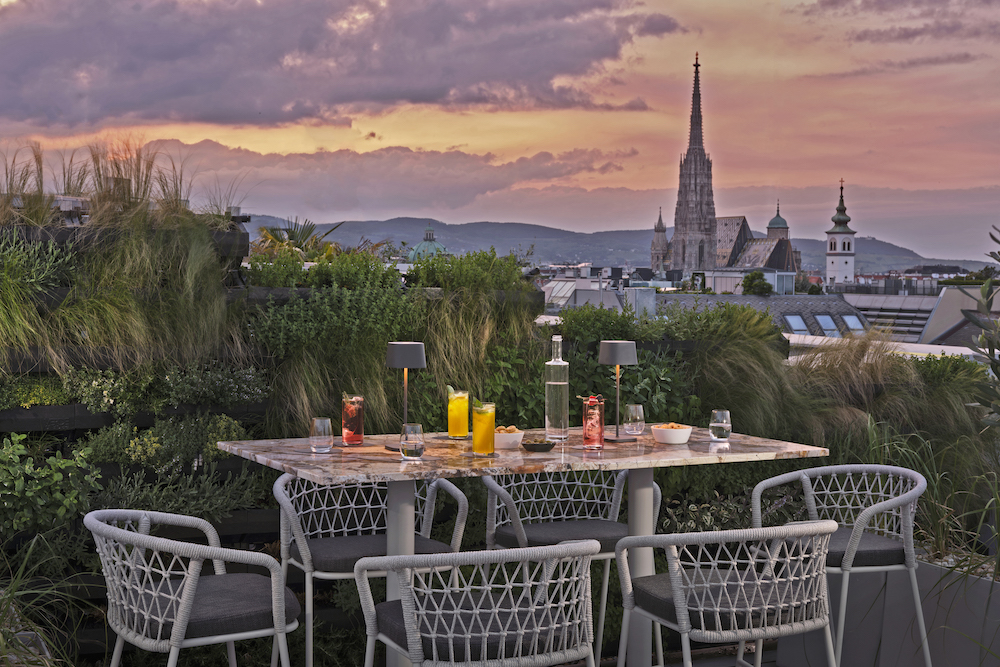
<point>458,414</point>
<point>483,423</point>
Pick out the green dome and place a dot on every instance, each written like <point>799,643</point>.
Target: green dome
<point>777,222</point>
<point>426,248</point>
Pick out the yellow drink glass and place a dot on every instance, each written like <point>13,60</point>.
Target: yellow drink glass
<point>484,421</point>
<point>458,414</point>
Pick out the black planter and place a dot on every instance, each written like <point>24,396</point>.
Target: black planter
<point>51,418</point>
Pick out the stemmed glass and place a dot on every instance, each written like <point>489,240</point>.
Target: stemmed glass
<point>411,442</point>
<point>321,435</point>
<point>635,419</point>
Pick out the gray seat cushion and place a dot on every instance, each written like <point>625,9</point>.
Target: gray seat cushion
<point>223,604</point>
<point>654,594</point>
<point>873,549</point>
<point>339,554</point>
<point>471,626</point>
<point>553,532</point>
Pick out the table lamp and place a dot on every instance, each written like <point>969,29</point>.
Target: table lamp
<point>405,355</point>
<point>620,353</point>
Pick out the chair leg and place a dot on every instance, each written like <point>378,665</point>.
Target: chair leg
<point>658,639</point>
<point>283,649</point>
<point>920,616</point>
<point>370,652</point>
<point>599,650</point>
<point>740,647</point>
<point>831,658</point>
<point>274,651</point>
<point>172,658</point>
<point>116,657</point>
<point>758,652</point>
<point>231,653</point>
<point>623,641</point>
<point>841,614</point>
<point>686,649</point>
<point>590,659</point>
<point>309,619</point>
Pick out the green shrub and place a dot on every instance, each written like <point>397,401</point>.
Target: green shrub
<point>120,393</point>
<point>353,270</point>
<point>755,283</point>
<point>212,383</point>
<point>480,271</point>
<point>40,495</point>
<point>283,269</point>
<point>209,494</point>
<point>178,442</point>
<point>111,443</point>
<point>29,390</point>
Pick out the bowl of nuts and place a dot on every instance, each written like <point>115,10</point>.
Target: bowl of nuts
<point>671,434</point>
<point>538,445</point>
<point>507,437</point>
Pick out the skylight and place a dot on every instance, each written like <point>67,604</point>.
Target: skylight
<point>797,324</point>
<point>828,325</point>
<point>853,323</point>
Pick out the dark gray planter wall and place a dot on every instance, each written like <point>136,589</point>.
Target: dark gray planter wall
<point>962,615</point>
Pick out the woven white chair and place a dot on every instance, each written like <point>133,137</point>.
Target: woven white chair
<point>874,505</point>
<point>510,608</point>
<point>159,601</point>
<point>733,586</point>
<point>325,529</point>
<point>540,509</point>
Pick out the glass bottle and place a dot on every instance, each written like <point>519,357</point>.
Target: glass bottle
<point>557,394</point>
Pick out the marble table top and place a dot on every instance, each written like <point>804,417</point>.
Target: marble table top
<point>371,462</point>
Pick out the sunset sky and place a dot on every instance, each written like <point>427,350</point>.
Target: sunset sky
<point>566,113</point>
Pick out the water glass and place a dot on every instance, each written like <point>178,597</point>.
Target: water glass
<point>411,442</point>
<point>720,426</point>
<point>353,419</point>
<point>321,435</point>
<point>635,419</point>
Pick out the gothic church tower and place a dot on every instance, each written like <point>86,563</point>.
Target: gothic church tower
<point>695,229</point>
<point>659,251</point>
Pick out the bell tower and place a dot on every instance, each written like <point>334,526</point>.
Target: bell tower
<point>840,246</point>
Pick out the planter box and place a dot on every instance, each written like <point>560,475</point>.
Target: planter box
<point>962,613</point>
<point>51,418</point>
<point>77,417</point>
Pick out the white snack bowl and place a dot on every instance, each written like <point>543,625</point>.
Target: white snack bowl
<point>507,440</point>
<point>671,436</point>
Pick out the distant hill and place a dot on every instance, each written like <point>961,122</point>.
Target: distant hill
<point>613,248</point>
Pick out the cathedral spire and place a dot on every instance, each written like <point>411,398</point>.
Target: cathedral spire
<point>696,140</point>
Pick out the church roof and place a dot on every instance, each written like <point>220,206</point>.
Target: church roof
<point>727,232</point>
<point>426,248</point>
<point>777,222</point>
<point>756,253</point>
<point>840,219</point>
<point>660,227</point>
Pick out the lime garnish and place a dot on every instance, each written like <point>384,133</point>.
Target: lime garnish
<point>451,390</point>
<point>477,403</point>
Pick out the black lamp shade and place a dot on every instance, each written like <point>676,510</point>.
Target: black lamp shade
<point>617,353</point>
<point>405,355</point>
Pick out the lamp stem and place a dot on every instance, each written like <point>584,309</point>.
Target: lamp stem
<point>404,394</point>
<point>618,393</point>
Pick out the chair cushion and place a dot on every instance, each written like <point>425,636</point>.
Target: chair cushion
<point>339,554</point>
<point>471,626</point>
<point>223,604</point>
<point>654,594</point>
<point>553,532</point>
<point>873,549</point>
